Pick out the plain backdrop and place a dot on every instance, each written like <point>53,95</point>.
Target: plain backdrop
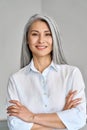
<point>13,16</point>
<point>71,17</point>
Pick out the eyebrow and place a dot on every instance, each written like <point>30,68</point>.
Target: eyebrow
<point>38,31</point>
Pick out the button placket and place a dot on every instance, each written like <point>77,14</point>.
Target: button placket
<point>45,97</point>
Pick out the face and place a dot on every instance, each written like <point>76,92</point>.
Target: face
<point>40,39</point>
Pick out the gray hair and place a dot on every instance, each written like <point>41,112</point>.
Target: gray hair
<point>57,52</point>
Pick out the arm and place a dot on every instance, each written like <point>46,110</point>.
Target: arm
<point>15,123</point>
<point>53,120</point>
<point>75,118</point>
<point>70,103</point>
<point>44,121</point>
<point>48,120</point>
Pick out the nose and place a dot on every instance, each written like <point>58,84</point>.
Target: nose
<point>41,39</point>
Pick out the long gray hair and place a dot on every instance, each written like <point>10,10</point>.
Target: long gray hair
<point>57,52</point>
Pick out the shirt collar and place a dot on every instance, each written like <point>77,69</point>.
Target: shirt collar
<point>52,65</point>
<point>32,67</point>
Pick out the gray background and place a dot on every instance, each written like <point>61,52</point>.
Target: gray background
<point>71,17</point>
<point>13,17</point>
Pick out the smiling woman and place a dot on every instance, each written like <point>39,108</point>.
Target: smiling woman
<point>34,92</point>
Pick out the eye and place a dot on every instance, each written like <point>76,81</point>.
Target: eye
<point>34,34</point>
<point>48,34</point>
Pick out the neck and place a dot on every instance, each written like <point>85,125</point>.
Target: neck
<point>41,63</point>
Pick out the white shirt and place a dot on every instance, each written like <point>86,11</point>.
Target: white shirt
<point>46,92</point>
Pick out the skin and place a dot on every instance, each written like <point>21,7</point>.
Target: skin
<point>40,44</point>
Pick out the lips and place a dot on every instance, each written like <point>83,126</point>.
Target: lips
<point>41,47</point>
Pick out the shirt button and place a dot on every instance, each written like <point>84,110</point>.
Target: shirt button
<point>45,105</point>
<point>43,82</point>
<point>45,94</point>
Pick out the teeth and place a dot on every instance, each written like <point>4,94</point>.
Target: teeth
<point>42,47</point>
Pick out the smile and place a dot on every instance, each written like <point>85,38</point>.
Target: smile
<point>41,47</point>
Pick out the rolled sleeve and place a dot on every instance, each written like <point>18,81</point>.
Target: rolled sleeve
<point>75,118</point>
<point>17,124</point>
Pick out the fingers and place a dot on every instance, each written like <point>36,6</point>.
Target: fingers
<point>70,101</point>
<point>20,111</point>
<point>70,96</point>
<point>74,103</point>
<point>14,109</point>
<point>17,103</point>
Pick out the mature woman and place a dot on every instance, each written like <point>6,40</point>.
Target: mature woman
<point>46,93</point>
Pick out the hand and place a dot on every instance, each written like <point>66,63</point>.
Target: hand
<point>20,111</point>
<point>70,102</point>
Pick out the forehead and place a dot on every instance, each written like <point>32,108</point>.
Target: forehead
<point>39,24</point>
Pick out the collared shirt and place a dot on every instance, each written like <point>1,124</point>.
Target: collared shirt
<point>46,93</point>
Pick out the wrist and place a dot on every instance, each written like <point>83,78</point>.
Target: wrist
<point>31,118</point>
<point>36,118</point>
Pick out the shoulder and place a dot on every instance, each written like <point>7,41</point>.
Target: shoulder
<point>21,73</point>
<point>68,69</point>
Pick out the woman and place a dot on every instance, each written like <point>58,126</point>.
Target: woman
<point>46,94</point>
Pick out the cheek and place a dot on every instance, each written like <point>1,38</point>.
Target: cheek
<point>32,43</point>
<point>50,40</point>
<point>51,43</point>
<point>33,40</point>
